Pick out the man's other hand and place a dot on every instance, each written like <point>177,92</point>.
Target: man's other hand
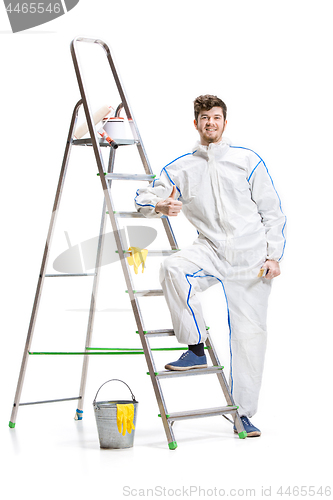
<point>170,206</point>
<point>273,269</point>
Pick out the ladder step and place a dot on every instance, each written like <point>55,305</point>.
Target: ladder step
<point>156,253</point>
<point>132,215</point>
<point>68,275</point>
<point>189,373</point>
<point>166,332</point>
<point>147,293</point>
<point>50,401</point>
<point>159,333</point>
<point>207,412</point>
<point>129,215</point>
<point>130,177</point>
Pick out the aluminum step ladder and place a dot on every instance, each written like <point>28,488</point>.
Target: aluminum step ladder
<point>107,177</point>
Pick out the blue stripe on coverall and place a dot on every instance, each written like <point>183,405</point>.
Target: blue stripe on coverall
<point>137,193</point>
<point>164,168</point>
<point>196,324</point>
<point>269,175</point>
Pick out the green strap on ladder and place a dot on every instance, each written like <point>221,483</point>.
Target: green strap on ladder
<point>105,350</point>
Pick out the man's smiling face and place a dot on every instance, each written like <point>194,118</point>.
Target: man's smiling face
<point>210,125</point>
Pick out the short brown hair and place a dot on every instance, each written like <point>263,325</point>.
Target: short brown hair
<point>208,102</point>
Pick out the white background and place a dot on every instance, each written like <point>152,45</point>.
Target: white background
<point>271,63</point>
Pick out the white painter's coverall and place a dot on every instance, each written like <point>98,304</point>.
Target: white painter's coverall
<point>229,197</point>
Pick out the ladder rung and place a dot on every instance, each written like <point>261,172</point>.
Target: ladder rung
<point>130,177</point>
<point>155,253</point>
<point>50,401</point>
<point>147,293</point>
<point>159,333</point>
<point>68,275</point>
<point>188,373</point>
<point>129,215</point>
<point>207,412</point>
<point>132,215</point>
<point>166,332</point>
<point>161,253</point>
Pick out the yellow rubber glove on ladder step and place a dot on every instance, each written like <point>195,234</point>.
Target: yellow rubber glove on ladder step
<point>138,256</point>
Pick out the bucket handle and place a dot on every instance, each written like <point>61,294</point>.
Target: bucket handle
<point>118,380</point>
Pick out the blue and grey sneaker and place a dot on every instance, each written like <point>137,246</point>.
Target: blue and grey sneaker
<point>187,361</point>
<point>249,428</point>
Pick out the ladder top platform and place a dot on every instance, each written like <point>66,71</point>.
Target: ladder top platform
<point>103,143</point>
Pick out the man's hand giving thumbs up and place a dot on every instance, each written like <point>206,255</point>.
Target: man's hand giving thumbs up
<point>170,206</point>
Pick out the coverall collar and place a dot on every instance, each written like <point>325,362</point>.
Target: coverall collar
<point>218,148</point>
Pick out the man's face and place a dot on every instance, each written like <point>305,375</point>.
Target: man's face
<point>210,125</point>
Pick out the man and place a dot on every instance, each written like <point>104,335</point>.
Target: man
<point>228,195</point>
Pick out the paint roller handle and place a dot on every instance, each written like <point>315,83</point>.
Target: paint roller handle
<point>112,142</point>
<point>107,138</point>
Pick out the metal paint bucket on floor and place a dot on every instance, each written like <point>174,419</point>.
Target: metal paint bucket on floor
<point>106,420</point>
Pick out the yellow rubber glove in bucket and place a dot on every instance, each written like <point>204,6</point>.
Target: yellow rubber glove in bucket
<point>125,416</point>
<point>138,256</point>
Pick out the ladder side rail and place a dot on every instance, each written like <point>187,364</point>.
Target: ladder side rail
<point>140,323</point>
<point>169,232</point>
<point>157,389</point>
<point>38,293</point>
<point>129,113</point>
<point>101,169</point>
<point>122,93</point>
<point>136,134</point>
<point>107,194</point>
<point>213,356</point>
<point>89,118</point>
<point>140,327</point>
<point>224,385</point>
<point>119,243</point>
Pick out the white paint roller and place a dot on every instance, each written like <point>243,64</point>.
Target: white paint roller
<point>97,117</point>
